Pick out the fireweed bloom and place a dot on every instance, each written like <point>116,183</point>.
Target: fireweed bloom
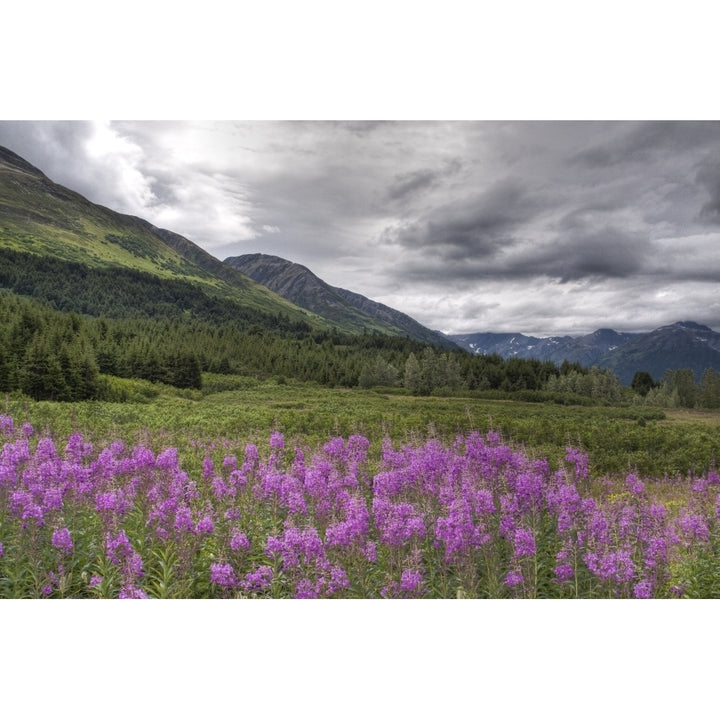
<point>353,529</point>
<point>694,528</point>
<point>305,590</point>
<point>580,460</point>
<point>513,578</point>
<point>411,580</point>
<point>524,542</point>
<point>131,592</point>
<point>467,494</point>
<point>205,526</point>
<point>118,547</point>
<point>222,574</point>
<point>62,541</point>
<point>397,522</point>
<point>7,426</point>
<point>258,580</point>
<point>239,541</point>
<point>298,546</point>
<point>643,590</point>
<point>208,468</point>
<point>634,484</point>
<point>564,572</point>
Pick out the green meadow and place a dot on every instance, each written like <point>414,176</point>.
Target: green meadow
<point>648,441</point>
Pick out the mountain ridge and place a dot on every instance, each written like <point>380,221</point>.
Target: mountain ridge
<point>46,219</point>
<point>301,286</point>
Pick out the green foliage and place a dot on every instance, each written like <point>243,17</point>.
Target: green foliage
<point>679,390</point>
<point>699,576</point>
<point>642,383</point>
<point>596,384</point>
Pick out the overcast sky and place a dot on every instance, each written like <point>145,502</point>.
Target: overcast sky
<point>537,227</point>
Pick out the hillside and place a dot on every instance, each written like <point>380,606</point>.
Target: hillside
<point>45,220</point>
<point>351,311</point>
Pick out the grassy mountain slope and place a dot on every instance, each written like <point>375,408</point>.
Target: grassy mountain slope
<point>40,217</point>
<point>352,311</point>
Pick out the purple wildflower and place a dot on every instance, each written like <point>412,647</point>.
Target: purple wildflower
<point>411,580</point>
<point>369,551</point>
<point>131,592</point>
<point>634,484</point>
<point>338,580</point>
<point>643,590</point>
<point>580,460</point>
<point>259,580</point>
<point>135,564</point>
<point>183,520</point>
<point>305,590</point>
<point>208,468</point>
<point>205,526</point>
<point>239,541</point>
<point>694,527</point>
<point>513,578</point>
<point>524,542</point>
<point>62,541</point>
<point>564,572</point>
<point>222,574</point>
<point>273,547</point>
<point>118,547</point>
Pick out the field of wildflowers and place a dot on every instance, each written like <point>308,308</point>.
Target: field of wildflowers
<point>474,518</point>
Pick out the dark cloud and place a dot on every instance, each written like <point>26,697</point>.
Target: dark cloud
<point>602,254</point>
<point>479,225</point>
<point>599,255</point>
<point>581,218</point>
<point>623,143</point>
<point>708,177</point>
<point>410,183</point>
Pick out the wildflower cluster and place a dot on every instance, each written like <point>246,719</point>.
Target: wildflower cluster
<point>475,518</point>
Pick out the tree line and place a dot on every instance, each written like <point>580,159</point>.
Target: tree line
<point>49,354</point>
<point>678,388</point>
<point>76,325</point>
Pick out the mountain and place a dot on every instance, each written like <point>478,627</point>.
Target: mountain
<point>680,345</point>
<point>108,258</point>
<point>45,220</point>
<point>672,347</point>
<point>585,350</point>
<point>350,310</point>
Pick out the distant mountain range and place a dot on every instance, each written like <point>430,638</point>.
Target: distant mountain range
<point>680,345</point>
<point>303,288</point>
